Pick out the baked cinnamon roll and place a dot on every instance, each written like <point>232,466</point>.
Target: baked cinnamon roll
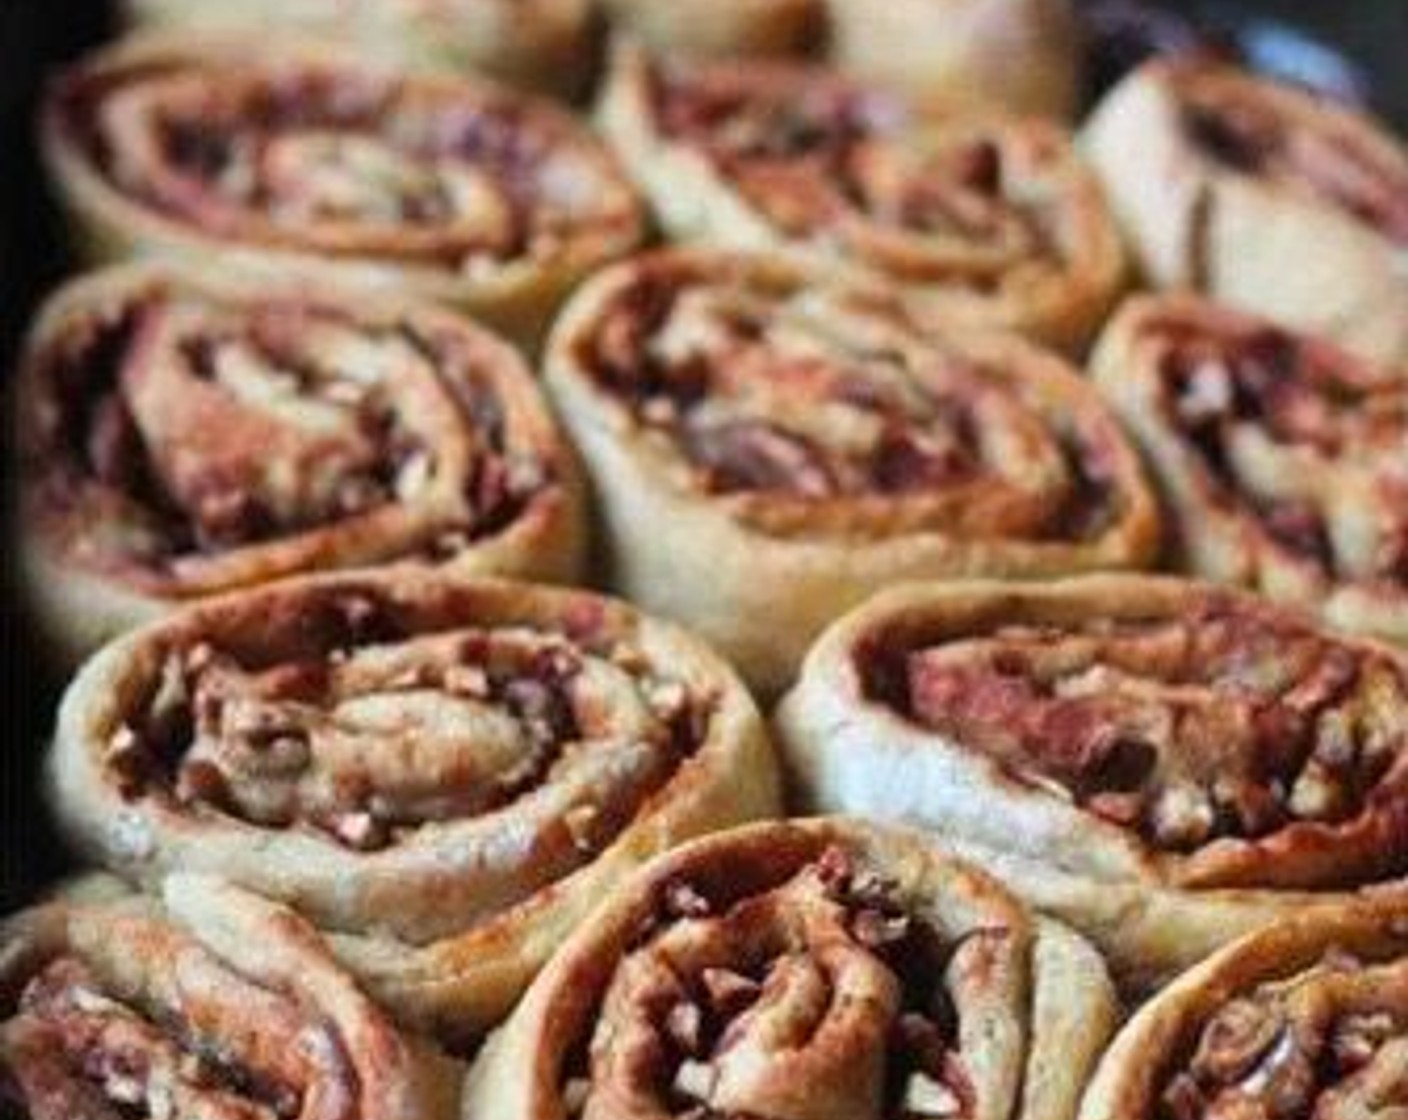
<point>212,1003</point>
<point>804,970</point>
<point>290,160</point>
<point>1282,457</point>
<point>769,450</point>
<point>180,436</point>
<point>1164,764</point>
<point>446,776</point>
<point>543,45</point>
<point>1263,196</point>
<point>721,28</point>
<point>991,219</point>
<point>1304,1019</point>
<point>961,55</point>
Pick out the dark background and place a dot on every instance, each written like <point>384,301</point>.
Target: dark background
<point>1368,47</point>
<point>34,36</point>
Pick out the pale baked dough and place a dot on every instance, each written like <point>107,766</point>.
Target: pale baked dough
<point>785,938</point>
<point>298,161</point>
<point>445,775</point>
<point>769,449</point>
<point>1163,764</point>
<point>1263,196</point>
<point>179,434</point>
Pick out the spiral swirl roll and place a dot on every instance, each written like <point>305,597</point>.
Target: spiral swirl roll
<point>1263,196</point>
<point>1307,1018</point>
<point>808,444</point>
<point>445,775</point>
<point>294,158</point>
<point>543,45</point>
<point>1163,763</point>
<point>991,219</point>
<point>210,1004</point>
<point>1282,457</point>
<point>179,437</point>
<point>811,971</point>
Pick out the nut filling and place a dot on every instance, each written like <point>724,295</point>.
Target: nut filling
<point>172,431</point>
<point>821,161</point>
<point>211,1005</point>
<point>377,732</point>
<point>821,988</point>
<point>1307,445</point>
<point>1331,1043</point>
<point>788,402</point>
<point>1205,733</point>
<point>344,163</point>
<point>73,1051</point>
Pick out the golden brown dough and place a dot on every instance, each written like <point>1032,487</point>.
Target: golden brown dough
<point>808,970</point>
<point>542,45</point>
<point>769,449</point>
<point>1308,1018</point>
<point>181,435</point>
<point>294,160</point>
<point>1262,196</point>
<point>1163,764</point>
<point>1281,456</point>
<point>960,55</point>
<point>445,775</point>
<point>992,219</point>
<point>210,1003</point>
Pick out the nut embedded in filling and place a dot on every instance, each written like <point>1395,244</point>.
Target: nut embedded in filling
<point>821,996</point>
<point>375,736</point>
<point>1329,1042</point>
<point>1306,444</point>
<point>786,401</point>
<point>169,433</point>
<point>1228,724</point>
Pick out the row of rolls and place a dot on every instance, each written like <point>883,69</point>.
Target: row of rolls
<point>399,844</point>
<point>395,820</point>
<point>857,365</point>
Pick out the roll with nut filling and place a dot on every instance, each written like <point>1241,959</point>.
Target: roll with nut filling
<point>445,776</point>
